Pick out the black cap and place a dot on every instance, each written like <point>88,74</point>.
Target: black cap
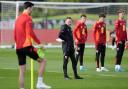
<point>28,4</point>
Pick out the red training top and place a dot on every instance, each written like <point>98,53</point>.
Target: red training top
<point>99,33</point>
<point>23,33</point>
<point>120,29</point>
<point>80,33</point>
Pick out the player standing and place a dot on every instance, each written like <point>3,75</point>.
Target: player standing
<point>66,37</point>
<point>121,38</point>
<point>23,35</point>
<point>100,42</point>
<point>80,35</point>
<point>113,36</point>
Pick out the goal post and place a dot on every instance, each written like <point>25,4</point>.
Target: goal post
<point>48,16</point>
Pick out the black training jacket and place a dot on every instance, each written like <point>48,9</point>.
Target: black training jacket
<point>66,35</point>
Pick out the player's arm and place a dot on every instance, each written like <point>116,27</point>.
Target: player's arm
<point>94,32</point>
<point>126,35</point>
<point>126,43</point>
<point>86,33</point>
<point>15,34</point>
<point>117,30</point>
<point>106,35</point>
<point>59,40</point>
<point>126,32</point>
<point>62,34</point>
<point>75,31</point>
<point>31,32</point>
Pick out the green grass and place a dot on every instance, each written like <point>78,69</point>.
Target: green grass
<point>54,74</point>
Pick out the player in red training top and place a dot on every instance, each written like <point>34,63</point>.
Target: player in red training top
<point>23,35</point>
<point>80,35</point>
<point>100,42</point>
<point>121,38</point>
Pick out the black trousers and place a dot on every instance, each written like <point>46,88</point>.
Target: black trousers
<point>120,51</point>
<point>70,55</point>
<point>113,41</point>
<point>79,53</point>
<point>100,54</point>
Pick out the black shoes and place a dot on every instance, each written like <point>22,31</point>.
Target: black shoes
<point>67,77</point>
<point>78,77</point>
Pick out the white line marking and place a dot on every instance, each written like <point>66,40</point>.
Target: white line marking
<point>2,77</point>
<point>55,71</point>
<point>9,68</point>
<point>107,75</point>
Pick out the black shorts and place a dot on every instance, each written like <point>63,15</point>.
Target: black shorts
<point>29,51</point>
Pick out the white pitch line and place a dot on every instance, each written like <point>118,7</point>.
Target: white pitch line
<point>62,73</point>
<point>55,71</point>
<point>9,68</point>
<point>17,68</point>
<point>107,75</point>
<point>2,77</point>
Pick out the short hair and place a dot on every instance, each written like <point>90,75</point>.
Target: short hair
<point>102,15</point>
<point>83,15</point>
<point>68,18</point>
<point>28,4</point>
<point>120,11</point>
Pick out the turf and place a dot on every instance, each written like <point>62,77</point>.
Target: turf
<point>54,74</point>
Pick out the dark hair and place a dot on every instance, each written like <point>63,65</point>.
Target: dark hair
<point>102,15</point>
<point>68,18</point>
<point>83,15</point>
<point>28,4</point>
<point>120,11</point>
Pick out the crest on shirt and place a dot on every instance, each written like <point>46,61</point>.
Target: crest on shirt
<point>83,31</point>
<point>124,28</point>
<point>121,23</point>
<point>103,28</point>
<point>99,26</point>
<point>81,27</point>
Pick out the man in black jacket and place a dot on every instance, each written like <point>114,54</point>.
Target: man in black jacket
<point>66,37</point>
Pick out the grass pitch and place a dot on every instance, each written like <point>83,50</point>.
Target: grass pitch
<point>54,74</point>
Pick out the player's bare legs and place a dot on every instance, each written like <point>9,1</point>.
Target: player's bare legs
<point>42,67</point>
<point>21,76</point>
<point>40,83</point>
